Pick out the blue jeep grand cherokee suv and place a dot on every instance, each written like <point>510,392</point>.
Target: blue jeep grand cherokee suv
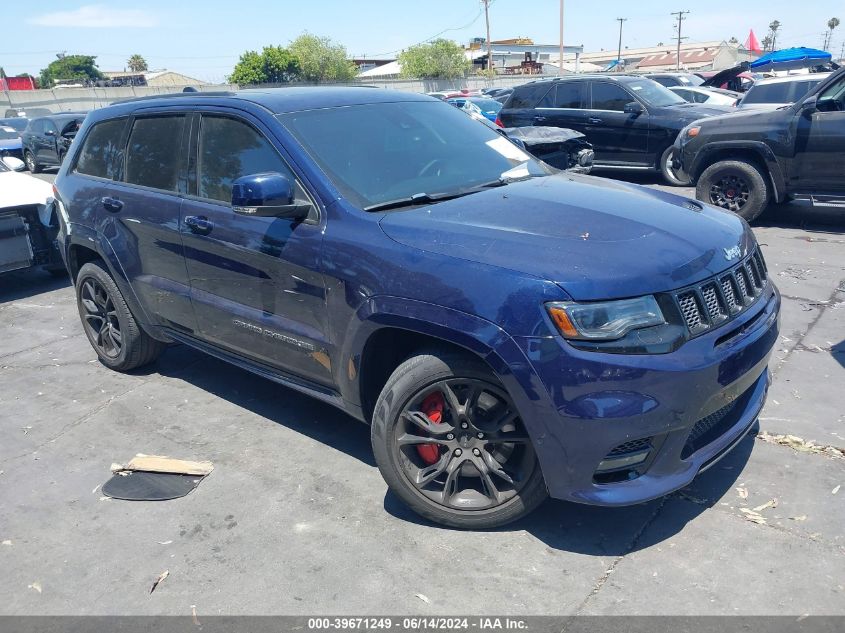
<point>508,331</point>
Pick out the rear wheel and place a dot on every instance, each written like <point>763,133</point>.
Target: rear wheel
<point>31,164</point>
<point>736,186</point>
<point>450,443</point>
<point>670,175</point>
<point>111,328</point>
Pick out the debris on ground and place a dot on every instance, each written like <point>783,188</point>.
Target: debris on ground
<point>36,586</point>
<point>155,478</point>
<point>423,598</point>
<point>803,517</point>
<point>801,445</point>
<point>754,517</point>
<point>159,580</point>
<point>161,464</point>
<point>6,542</point>
<point>194,615</point>
<point>742,492</point>
<point>772,503</point>
<point>835,490</point>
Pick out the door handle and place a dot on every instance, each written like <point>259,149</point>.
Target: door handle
<point>595,120</point>
<point>199,224</point>
<point>111,204</point>
<point>539,119</point>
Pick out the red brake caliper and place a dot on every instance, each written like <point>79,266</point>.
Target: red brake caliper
<point>432,406</point>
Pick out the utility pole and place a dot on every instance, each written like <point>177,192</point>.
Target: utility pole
<point>842,52</point>
<point>681,18</point>
<point>560,61</point>
<point>489,45</point>
<point>619,54</point>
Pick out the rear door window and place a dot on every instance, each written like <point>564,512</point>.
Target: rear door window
<point>566,94</point>
<point>769,93</point>
<point>529,96</point>
<point>608,96</point>
<point>102,152</point>
<point>229,149</point>
<point>152,158</point>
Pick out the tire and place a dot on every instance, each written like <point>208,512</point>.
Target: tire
<point>734,185</point>
<point>481,403</point>
<point>108,323</point>
<point>670,175</point>
<point>31,163</point>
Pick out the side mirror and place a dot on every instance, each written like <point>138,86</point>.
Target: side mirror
<point>266,195</point>
<point>826,104</point>
<point>810,105</point>
<point>15,164</point>
<point>49,133</point>
<point>635,107</point>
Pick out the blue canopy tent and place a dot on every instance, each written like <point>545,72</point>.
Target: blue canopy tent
<point>791,59</point>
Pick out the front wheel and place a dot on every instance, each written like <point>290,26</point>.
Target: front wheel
<point>669,173</point>
<point>450,443</point>
<point>736,186</point>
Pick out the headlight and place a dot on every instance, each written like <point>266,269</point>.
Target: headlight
<point>606,320</point>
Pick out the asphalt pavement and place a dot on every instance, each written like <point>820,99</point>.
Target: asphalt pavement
<point>295,518</point>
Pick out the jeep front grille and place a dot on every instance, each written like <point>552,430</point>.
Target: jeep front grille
<point>721,298</point>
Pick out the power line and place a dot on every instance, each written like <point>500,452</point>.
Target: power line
<point>681,19</point>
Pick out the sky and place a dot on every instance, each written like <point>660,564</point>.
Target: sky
<point>203,39</point>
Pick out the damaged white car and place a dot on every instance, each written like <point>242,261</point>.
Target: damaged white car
<point>28,225</point>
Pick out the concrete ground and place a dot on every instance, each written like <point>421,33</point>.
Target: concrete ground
<point>295,518</point>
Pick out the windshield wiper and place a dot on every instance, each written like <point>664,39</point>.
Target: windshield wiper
<point>430,198</point>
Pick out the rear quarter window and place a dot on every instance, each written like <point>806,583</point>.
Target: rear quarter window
<point>769,93</point>
<point>528,96</point>
<point>102,151</point>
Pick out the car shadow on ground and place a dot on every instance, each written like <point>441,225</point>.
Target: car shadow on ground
<point>26,283</point>
<point>804,216</point>
<point>560,525</point>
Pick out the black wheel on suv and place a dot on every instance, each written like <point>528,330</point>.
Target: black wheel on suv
<point>114,333</point>
<point>668,172</point>
<point>736,186</point>
<point>31,164</point>
<point>449,442</point>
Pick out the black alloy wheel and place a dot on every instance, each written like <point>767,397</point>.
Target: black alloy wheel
<point>451,444</point>
<point>100,318</point>
<point>730,192</point>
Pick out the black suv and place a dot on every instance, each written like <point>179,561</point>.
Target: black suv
<point>47,139</point>
<point>630,121</point>
<point>744,161</point>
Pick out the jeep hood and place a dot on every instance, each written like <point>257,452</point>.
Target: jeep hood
<point>596,238</point>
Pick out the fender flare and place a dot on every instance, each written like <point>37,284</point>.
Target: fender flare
<point>763,151</point>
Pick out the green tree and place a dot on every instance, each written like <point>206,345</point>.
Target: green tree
<point>774,25</point>
<point>440,59</point>
<point>320,59</point>
<point>137,64</point>
<point>70,67</point>
<point>274,64</point>
<point>832,23</point>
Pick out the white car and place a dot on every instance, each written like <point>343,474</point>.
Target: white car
<point>710,96</point>
<point>28,226</point>
<point>768,94</point>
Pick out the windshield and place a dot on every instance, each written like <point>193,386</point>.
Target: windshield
<point>653,94</point>
<point>7,134</point>
<point>380,152</point>
<point>779,92</point>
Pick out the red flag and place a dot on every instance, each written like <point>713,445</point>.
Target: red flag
<point>752,44</point>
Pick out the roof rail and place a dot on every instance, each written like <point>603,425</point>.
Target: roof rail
<point>175,95</point>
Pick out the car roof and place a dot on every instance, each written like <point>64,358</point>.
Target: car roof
<point>281,100</point>
<point>576,77</point>
<point>788,78</point>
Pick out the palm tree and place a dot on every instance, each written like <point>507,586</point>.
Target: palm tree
<point>773,28</point>
<point>137,64</point>
<point>832,23</point>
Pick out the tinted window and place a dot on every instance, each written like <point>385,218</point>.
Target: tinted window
<point>229,149</point>
<point>18,124</point>
<point>699,97</point>
<point>528,96</point>
<point>607,96</point>
<point>49,126</point>
<point>689,95</point>
<point>36,127</point>
<point>568,94</point>
<point>8,133</point>
<point>666,81</point>
<point>153,155</point>
<point>102,153</point>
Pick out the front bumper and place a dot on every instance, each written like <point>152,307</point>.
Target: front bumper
<point>597,402</point>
